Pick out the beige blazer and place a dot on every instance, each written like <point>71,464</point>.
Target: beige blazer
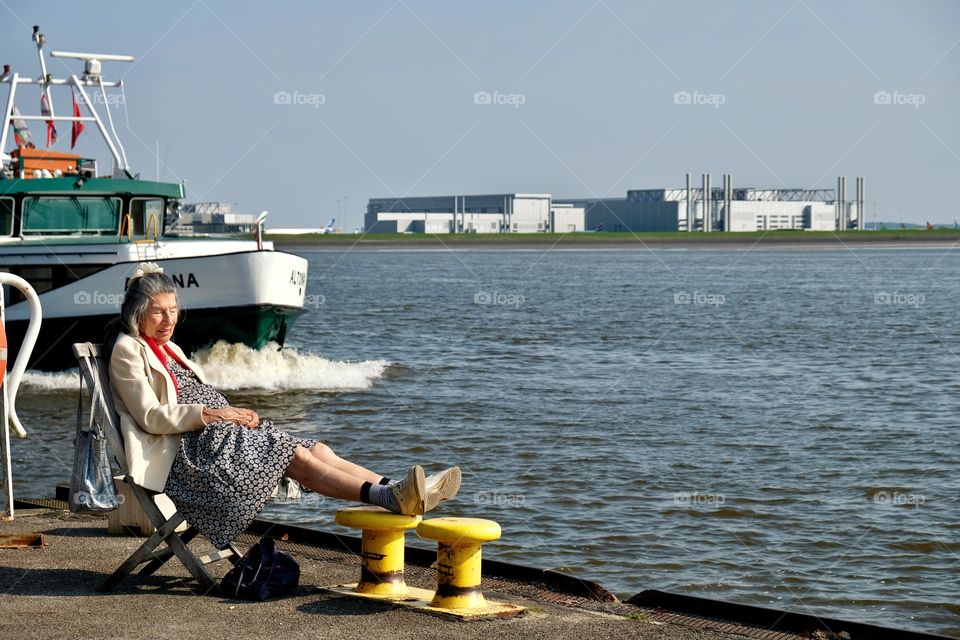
<point>150,418</point>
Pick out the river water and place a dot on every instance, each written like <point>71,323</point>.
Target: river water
<point>777,427</point>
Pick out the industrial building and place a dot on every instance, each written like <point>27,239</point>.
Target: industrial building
<point>726,209</point>
<point>706,208</point>
<point>627,214</point>
<point>498,213</point>
<point>202,218</point>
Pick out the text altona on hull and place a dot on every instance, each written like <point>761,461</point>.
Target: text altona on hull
<point>77,236</point>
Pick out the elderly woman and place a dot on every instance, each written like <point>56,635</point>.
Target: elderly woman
<point>219,463</point>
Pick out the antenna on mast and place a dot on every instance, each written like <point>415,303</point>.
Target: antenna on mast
<point>91,70</point>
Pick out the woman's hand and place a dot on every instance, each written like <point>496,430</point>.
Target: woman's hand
<point>243,417</point>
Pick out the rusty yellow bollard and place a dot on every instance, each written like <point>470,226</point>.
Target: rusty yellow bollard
<point>381,556</point>
<point>458,559</point>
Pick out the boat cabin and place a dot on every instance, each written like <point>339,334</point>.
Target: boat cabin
<point>72,207</point>
<point>48,225</point>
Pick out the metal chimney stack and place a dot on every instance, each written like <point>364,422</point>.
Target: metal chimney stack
<point>710,200</point>
<point>839,216</point>
<point>707,205</point>
<point>703,202</point>
<point>691,214</point>
<point>861,191</point>
<point>843,204</point>
<point>722,218</point>
<point>727,198</point>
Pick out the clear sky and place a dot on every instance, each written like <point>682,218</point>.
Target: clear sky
<point>308,109</point>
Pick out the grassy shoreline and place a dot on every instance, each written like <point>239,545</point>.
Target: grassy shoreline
<point>612,239</point>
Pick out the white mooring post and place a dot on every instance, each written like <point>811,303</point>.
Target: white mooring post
<point>12,382</point>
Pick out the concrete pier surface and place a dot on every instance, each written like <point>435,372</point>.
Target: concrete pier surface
<point>50,592</point>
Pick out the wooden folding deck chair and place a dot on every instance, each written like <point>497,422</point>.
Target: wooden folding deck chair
<point>95,373</point>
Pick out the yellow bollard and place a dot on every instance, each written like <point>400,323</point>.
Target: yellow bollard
<point>458,559</point>
<point>381,556</point>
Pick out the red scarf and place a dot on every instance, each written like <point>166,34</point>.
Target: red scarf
<point>156,350</point>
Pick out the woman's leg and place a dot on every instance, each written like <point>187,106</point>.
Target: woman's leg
<point>441,486</point>
<point>322,477</point>
<point>408,497</point>
<point>325,454</point>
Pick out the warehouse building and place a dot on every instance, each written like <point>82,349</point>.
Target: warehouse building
<point>566,218</point>
<point>624,214</point>
<point>649,210</point>
<point>642,210</point>
<point>726,209</point>
<point>495,213</point>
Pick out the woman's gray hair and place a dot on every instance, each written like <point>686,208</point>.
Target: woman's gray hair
<point>140,291</point>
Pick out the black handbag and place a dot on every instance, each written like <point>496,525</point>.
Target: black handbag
<point>262,573</point>
<point>91,484</point>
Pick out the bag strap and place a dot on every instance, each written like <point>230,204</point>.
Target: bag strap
<point>254,561</point>
<point>242,566</point>
<point>96,399</point>
<point>98,407</point>
<point>80,408</point>
<point>242,581</point>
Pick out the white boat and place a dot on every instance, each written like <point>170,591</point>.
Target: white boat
<point>76,237</point>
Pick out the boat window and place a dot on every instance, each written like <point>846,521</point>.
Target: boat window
<point>70,216</point>
<point>153,216</point>
<point>147,216</point>
<point>46,278</point>
<point>40,278</point>
<point>6,216</point>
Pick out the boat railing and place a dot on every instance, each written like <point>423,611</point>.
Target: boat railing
<point>152,225</point>
<point>151,232</point>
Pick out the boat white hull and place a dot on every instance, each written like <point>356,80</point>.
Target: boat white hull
<point>251,297</point>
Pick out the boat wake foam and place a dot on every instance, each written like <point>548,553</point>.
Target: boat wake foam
<point>236,367</point>
<point>44,381</point>
<point>233,367</point>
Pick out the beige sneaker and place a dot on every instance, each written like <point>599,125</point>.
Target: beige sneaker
<point>410,492</point>
<point>441,486</point>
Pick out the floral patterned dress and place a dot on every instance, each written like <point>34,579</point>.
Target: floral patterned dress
<point>224,474</point>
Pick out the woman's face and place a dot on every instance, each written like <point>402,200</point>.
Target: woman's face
<point>160,318</point>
